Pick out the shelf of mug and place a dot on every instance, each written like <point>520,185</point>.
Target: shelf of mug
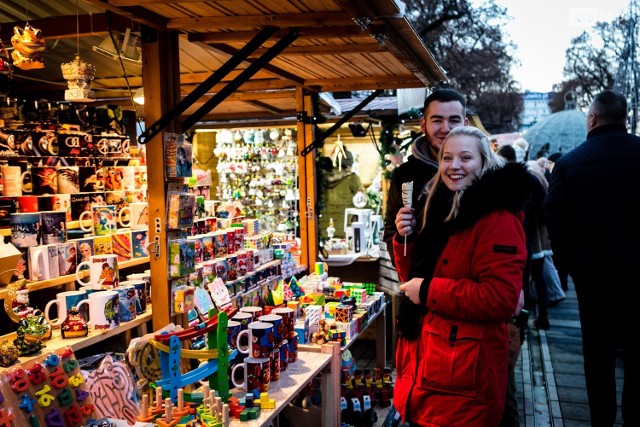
<point>71,225</point>
<point>44,284</point>
<point>292,382</point>
<point>57,342</point>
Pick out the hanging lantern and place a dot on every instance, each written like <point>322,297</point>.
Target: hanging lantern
<point>79,75</point>
<point>28,44</point>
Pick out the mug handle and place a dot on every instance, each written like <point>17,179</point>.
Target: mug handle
<point>84,301</point>
<point>46,313</point>
<point>27,190</point>
<point>41,271</point>
<point>246,350</point>
<point>81,221</point>
<point>233,375</point>
<point>79,269</point>
<point>121,214</point>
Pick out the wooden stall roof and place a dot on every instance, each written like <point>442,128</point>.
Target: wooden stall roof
<point>341,45</point>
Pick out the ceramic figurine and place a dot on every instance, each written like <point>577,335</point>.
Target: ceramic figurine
<point>74,325</point>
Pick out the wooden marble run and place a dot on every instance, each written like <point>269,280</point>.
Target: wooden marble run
<point>217,357</point>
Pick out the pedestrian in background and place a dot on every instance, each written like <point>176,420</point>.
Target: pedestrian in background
<point>592,218</point>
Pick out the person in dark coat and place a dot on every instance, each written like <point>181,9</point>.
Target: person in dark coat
<point>592,218</point>
<point>444,109</point>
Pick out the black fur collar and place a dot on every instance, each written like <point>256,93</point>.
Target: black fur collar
<point>500,188</point>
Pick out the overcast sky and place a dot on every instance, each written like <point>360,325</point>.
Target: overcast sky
<point>542,31</point>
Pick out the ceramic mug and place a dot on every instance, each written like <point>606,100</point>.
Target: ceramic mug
<point>127,298</point>
<point>25,229</point>
<point>13,180</point>
<point>140,287</point>
<point>278,327</point>
<point>64,302</point>
<point>274,364</point>
<point>104,220</point>
<point>254,310</point>
<point>27,203</point>
<point>53,227</point>
<point>260,338</point>
<point>147,280</point>
<point>104,307</point>
<point>43,262</point>
<point>68,179</point>
<point>233,329</point>
<point>288,320</point>
<point>44,180</point>
<point>284,355</point>
<point>256,374</point>
<point>293,348</point>
<point>138,213</point>
<point>103,272</point>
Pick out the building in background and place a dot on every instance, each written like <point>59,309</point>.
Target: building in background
<point>535,108</point>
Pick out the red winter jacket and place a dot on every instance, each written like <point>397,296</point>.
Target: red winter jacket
<point>455,373</point>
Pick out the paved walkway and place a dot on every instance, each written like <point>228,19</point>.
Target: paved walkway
<point>550,378</point>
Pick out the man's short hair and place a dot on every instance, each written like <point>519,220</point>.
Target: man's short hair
<point>444,95</point>
<point>611,107</point>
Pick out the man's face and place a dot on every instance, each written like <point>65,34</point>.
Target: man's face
<point>439,119</point>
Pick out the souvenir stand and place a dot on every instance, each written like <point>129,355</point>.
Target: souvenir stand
<point>206,64</point>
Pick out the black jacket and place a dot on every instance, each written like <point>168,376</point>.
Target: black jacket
<point>591,207</point>
<point>412,170</point>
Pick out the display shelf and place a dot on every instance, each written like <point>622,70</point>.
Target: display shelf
<point>381,337</point>
<point>294,379</point>
<point>57,342</point>
<point>44,284</point>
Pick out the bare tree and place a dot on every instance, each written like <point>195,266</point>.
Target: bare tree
<point>468,43</point>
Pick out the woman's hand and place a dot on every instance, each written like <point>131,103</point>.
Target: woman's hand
<point>412,289</point>
<point>405,221</point>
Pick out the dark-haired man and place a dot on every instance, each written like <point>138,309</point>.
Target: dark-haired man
<point>592,217</point>
<point>444,109</point>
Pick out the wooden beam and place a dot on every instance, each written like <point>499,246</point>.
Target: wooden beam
<point>135,13</point>
<point>352,31</point>
<point>283,20</point>
<point>65,27</point>
<point>328,49</point>
<point>264,106</point>
<point>275,70</point>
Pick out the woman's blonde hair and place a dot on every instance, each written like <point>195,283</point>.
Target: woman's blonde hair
<point>490,160</point>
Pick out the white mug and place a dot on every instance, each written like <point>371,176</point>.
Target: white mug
<point>138,213</point>
<point>104,310</point>
<point>103,272</point>
<point>103,220</point>
<point>65,301</point>
<point>43,262</point>
<point>12,180</point>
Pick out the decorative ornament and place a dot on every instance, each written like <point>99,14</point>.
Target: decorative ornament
<point>28,44</point>
<point>16,303</point>
<point>31,332</point>
<point>74,325</point>
<point>8,353</point>
<point>79,75</point>
<point>331,230</point>
<point>360,200</point>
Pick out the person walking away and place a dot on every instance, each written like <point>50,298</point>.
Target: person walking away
<point>444,109</point>
<point>591,215</point>
<point>463,276</point>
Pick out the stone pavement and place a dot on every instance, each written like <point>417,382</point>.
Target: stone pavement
<point>549,373</point>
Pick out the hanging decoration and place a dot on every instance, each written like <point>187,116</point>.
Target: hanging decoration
<point>79,75</point>
<point>5,65</point>
<point>28,44</point>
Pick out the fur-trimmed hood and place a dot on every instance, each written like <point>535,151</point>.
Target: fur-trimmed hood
<point>505,187</point>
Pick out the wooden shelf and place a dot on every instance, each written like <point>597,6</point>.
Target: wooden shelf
<point>292,381</point>
<point>56,342</point>
<point>44,284</point>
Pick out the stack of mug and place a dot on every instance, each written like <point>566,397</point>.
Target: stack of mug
<point>269,343</point>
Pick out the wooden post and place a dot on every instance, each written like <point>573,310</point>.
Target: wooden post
<point>161,81</point>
